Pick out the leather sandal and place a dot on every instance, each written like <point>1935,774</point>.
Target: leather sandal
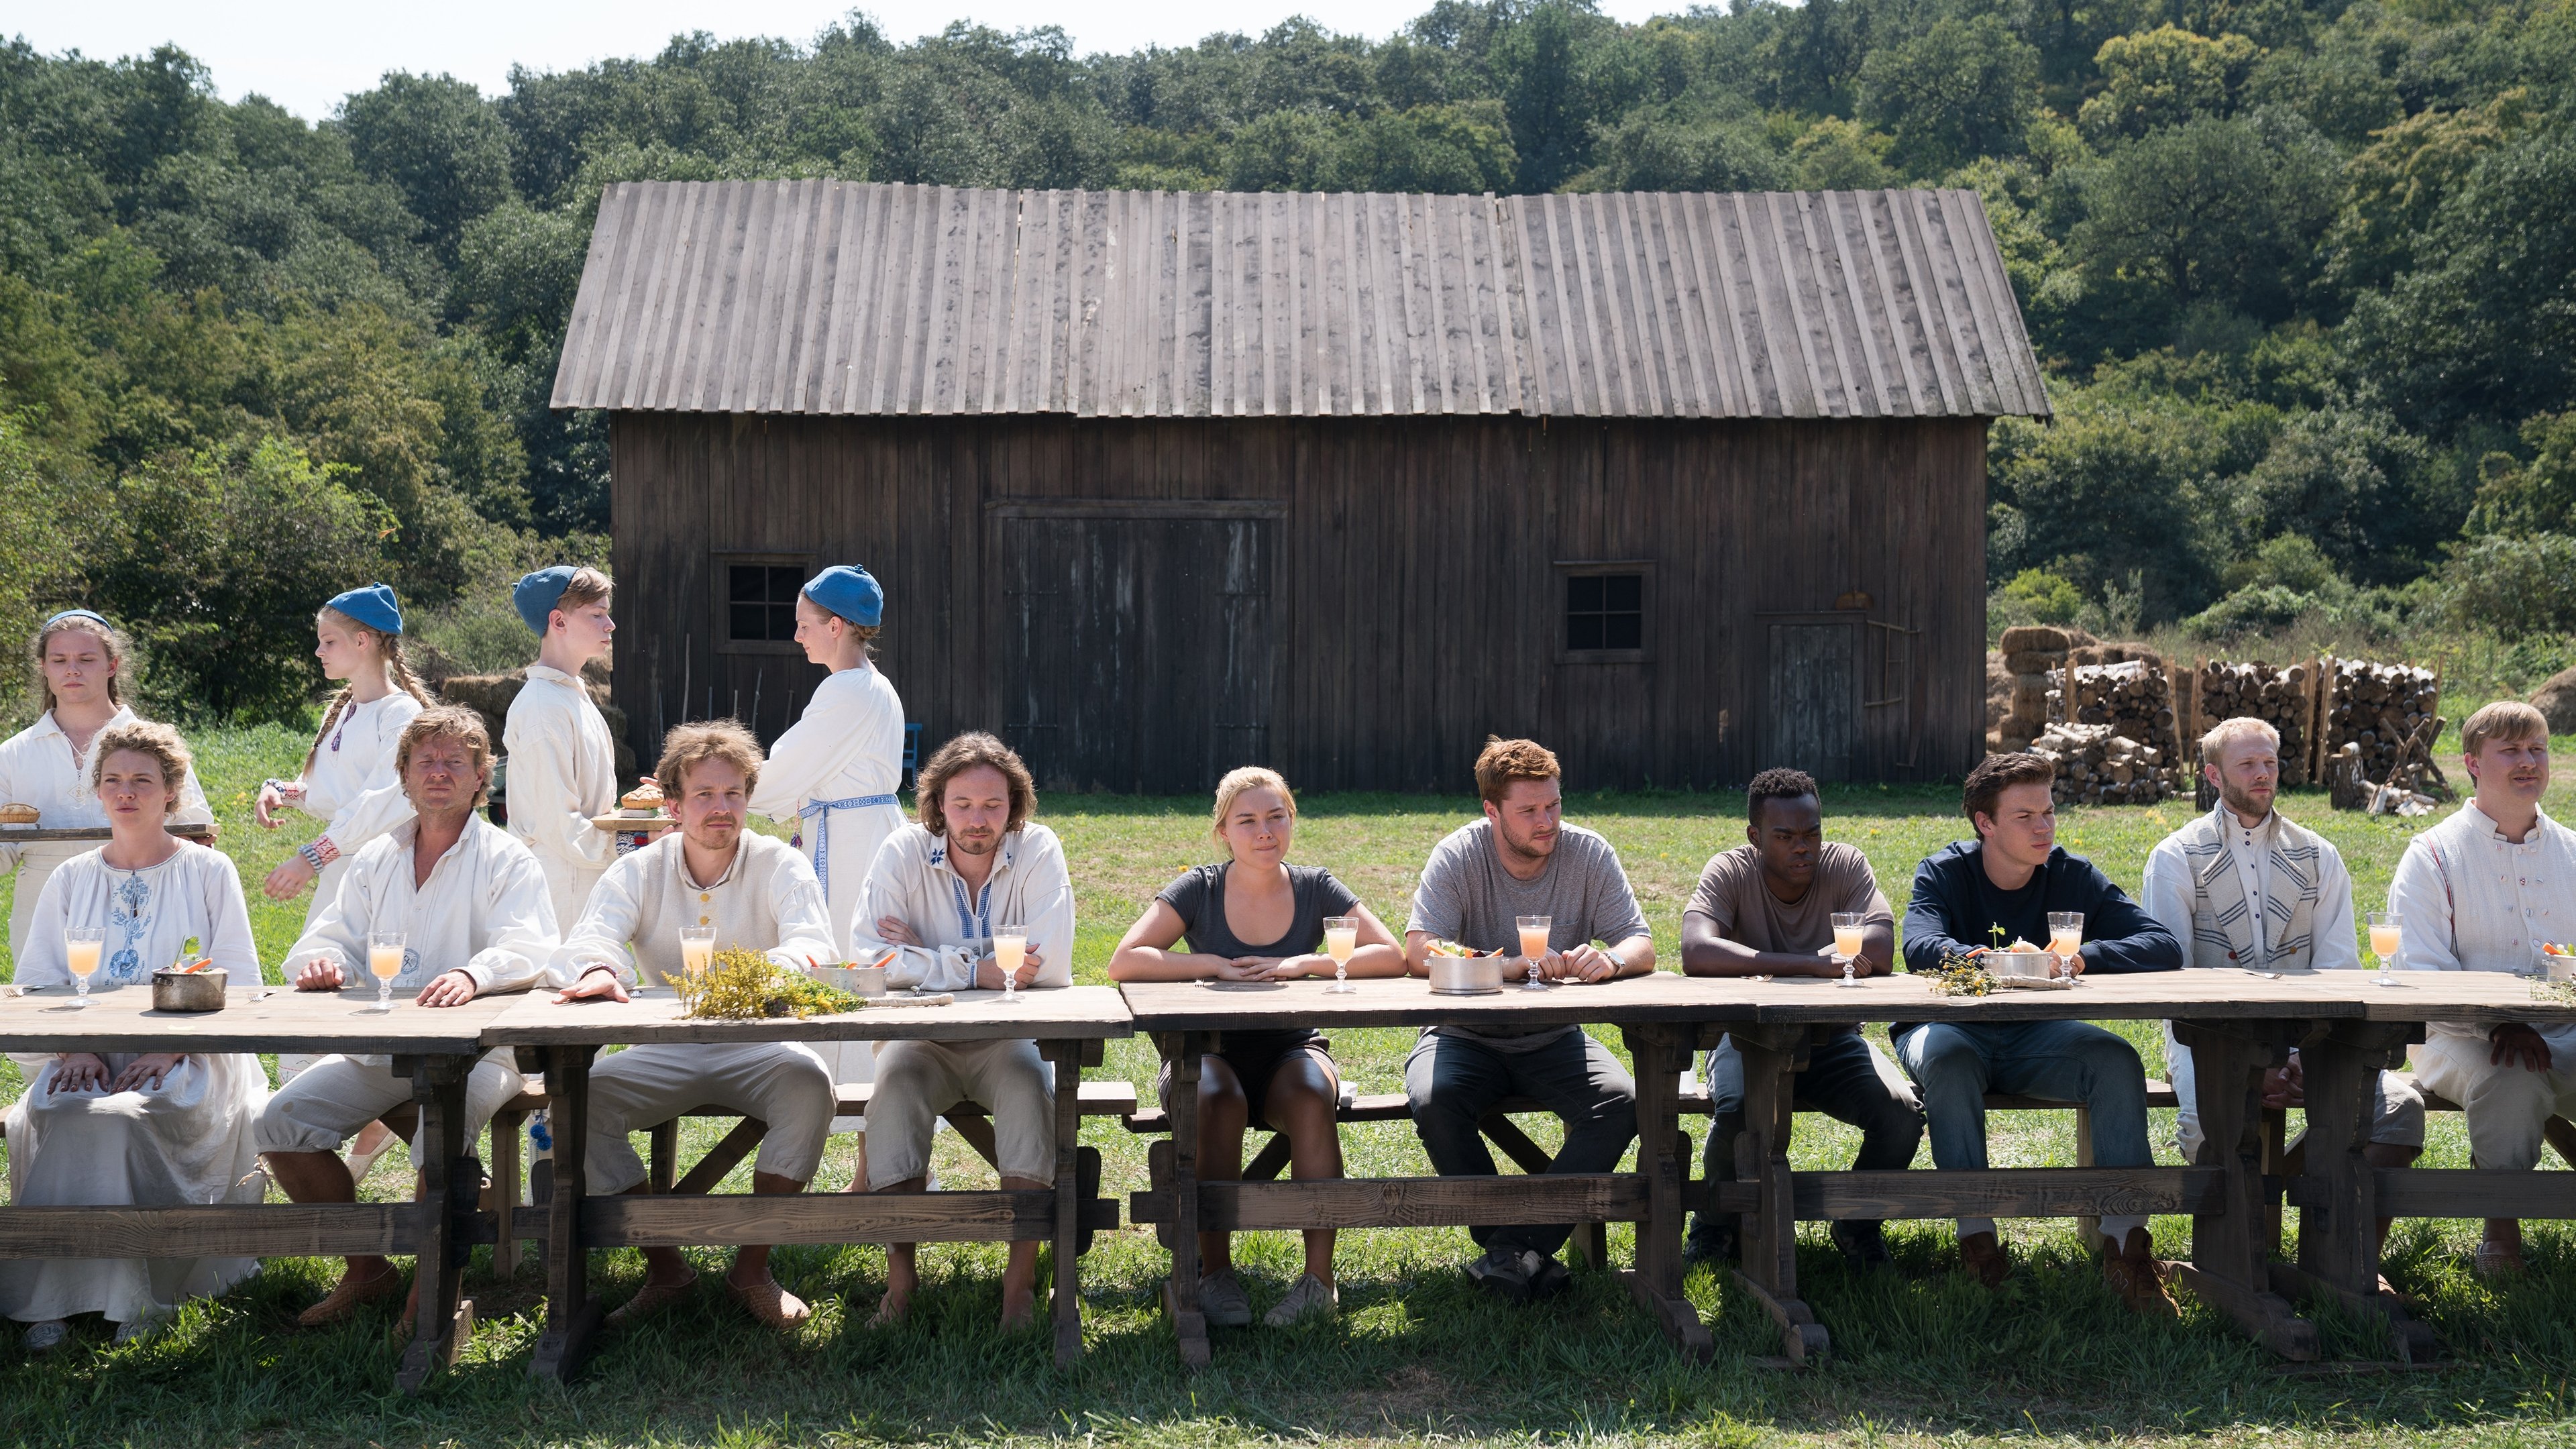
<point>772,1304</point>
<point>348,1297</point>
<point>1981,1256</point>
<point>2139,1278</point>
<point>650,1299</point>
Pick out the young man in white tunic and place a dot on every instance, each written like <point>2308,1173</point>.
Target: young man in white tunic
<point>472,906</point>
<point>760,895</point>
<point>2483,891</point>
<point>836,770</point>
<point>563,762</point>
<point>79,662</point>
<point>129,1129</point>
<point>2244,886</point>
<point>348,777</point>
<point>934,897</point>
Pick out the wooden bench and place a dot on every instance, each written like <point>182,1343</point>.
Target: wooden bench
<point>1591,1240</point>
<point>1106,1098</point>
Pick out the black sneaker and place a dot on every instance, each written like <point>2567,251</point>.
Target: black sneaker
<point>1711,1242</point>
<point>1864,1247</point>
<point>1550,1279</point>
<point>1506,1273</point>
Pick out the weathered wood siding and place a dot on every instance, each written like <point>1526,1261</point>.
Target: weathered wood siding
<point>1414,597</point>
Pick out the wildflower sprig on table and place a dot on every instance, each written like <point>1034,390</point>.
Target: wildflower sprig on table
<point>740,985</point>
<point>1961,973</point>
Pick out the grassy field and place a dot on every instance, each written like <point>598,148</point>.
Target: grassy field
<point>1417,1355</point>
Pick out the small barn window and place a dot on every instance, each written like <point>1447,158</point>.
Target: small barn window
<point>756,601</point>
<point>1604,611</point>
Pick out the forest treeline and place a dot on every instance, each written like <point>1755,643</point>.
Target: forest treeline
<point>2303,276</point>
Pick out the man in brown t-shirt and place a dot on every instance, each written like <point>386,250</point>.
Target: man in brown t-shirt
<point>1766,908</point>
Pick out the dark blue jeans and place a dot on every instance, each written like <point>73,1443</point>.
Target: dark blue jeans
<point>2058,1061</point>
<point>1846,1079</point>
<point>1454,1081</point>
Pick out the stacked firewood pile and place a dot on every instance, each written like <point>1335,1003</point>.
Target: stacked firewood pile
<point>2132,697</point>
<point>2278,697</point>
<point>2032,655</point>
<point>2389,710</point>
<point>2097,765</point>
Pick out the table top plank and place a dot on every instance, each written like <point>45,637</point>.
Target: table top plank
<point>253,1020</point>
<point>1665,996</point>
<point>1052,1013</point>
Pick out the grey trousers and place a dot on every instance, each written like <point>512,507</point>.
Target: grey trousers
<point>1847,1079</point>
<point>1453,1081</point>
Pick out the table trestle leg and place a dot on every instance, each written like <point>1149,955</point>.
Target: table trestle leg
<point>1769,1236</point>
<point>1663,1157</point>
<point>2229,1266</point>
<point>572,1315</point>
<point>1181,1294</point>
<point>2338,1252</point>
<point>452,1182</point>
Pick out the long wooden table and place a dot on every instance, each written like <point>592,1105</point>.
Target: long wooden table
<point>1654,1012</point>
<point>1069,1025</point>
<point>2237,1024</point>
<point>436,1048</point>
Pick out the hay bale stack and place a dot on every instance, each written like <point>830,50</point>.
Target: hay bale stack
<point>2030,657</point>
<point>2379,707</point>
<point>2281,698</point>
<point>2556,700</point>
<point>1999,692</point>
<point>2096,765</point>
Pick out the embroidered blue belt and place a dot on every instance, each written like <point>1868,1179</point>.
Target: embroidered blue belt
<point>823,830</point>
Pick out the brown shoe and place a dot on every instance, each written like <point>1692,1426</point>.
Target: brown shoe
<point>1982,1258</point>
<point>2135,1274</point>
<point>650,1299</point>
<point>770,1303</point>
<point>348,1297</point>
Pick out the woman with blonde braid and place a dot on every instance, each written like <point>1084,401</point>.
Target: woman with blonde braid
<point>79,664</point>
<point>348,777</point>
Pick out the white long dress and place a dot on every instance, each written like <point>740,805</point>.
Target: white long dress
<point>188,1141</point>
<point>353,785</point>
<point>38,767</point>
<point>835,773</point>
<point>563,774</point>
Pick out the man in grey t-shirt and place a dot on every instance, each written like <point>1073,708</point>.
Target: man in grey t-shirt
<point>1766,908</point>
<point>1522,860</point>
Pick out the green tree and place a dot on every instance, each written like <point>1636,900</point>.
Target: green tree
<point>2163,77</point>
<point>2224,210</point>
<point>435,139</point>
<point>1960,90</point>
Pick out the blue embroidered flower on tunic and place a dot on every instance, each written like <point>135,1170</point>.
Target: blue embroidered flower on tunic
<point>126,913</point>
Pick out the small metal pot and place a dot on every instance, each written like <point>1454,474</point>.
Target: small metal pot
<point>1466,975</point>
<point>189,990</point>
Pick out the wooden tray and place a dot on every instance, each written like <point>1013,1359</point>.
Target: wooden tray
<point>23,834</point>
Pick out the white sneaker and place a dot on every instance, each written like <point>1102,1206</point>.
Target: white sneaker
<point>47,1336</point>
<point>1308,1297</point>
<point>141,1330</point>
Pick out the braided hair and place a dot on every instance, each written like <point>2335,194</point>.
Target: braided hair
<point>397,668</point>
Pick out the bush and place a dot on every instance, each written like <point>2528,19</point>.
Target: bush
<point>2516,586</point>
<point>2048,598</point>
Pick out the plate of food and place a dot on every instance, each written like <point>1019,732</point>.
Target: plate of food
<point>16,816</point>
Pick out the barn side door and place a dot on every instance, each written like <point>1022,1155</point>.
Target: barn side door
<point>1812,721</point>
<point>1140,642</point>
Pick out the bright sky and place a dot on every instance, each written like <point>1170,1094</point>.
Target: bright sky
<point>307,54</point>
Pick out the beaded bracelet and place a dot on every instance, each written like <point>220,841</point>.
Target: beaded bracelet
<point>286,789</point>
<point>320,853</point>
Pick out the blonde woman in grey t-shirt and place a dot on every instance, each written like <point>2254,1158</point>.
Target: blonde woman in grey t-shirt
<point>1522,859</point>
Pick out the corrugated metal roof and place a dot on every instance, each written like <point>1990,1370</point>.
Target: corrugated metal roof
<point>830,297</point>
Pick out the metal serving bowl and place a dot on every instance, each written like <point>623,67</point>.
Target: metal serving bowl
<point>1466,975</point>
<point>189,990</point>
<point>2020,963</point>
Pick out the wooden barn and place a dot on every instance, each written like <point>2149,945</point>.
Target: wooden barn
<point>1683,485</point>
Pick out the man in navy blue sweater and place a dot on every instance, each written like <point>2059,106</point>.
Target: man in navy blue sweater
<point>2000,888</point>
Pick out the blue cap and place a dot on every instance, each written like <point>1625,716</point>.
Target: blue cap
<point>534,596</point>
<point>849,591</point>
<point>374,606</point>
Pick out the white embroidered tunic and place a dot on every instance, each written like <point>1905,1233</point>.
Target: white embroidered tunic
<point>563,774</point>
<point>913,881</point>
<point>484,910</point>
<point>37,767</point>
<point>2471,900</point>
<point>187,1141</point>
<point>351,784</point>
<point>766,900</point>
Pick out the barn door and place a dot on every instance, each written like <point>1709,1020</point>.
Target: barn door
<point>1140,653</point>
<point>1814,699</point>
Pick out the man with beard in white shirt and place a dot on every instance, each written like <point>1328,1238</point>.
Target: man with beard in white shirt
<point>2484,891</point>
<point>2244,886</point>
<point>934,897</point>
<point>759,894</point>
<point>472,905</point>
